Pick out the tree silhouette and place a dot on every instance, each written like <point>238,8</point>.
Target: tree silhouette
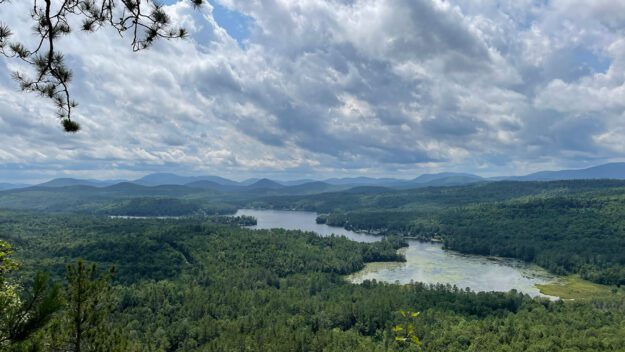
<point>145,20</point>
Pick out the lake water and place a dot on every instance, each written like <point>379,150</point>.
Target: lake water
<point>300,220</point>
<point>425,262</point>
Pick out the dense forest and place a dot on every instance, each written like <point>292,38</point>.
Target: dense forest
<point>568,227</point>
<point>581,234</point>
<point>194,285</point>
<point>200,282</point>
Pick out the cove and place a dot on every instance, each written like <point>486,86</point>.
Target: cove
<point>425,262</point>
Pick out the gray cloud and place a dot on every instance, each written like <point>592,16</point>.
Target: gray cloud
<point>336,87</point>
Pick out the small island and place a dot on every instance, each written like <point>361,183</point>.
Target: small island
<point>239,220</point>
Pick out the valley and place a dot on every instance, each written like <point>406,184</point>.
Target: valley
<point>260,268</point>
<point>312,176</point>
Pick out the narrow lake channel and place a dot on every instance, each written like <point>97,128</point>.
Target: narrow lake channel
<point>425,262</point>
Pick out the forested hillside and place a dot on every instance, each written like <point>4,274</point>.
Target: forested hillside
<point>192,285</point>
<point>570,234</point>
<point>568,227</point>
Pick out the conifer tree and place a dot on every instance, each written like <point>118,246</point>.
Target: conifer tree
<point>85,324</point>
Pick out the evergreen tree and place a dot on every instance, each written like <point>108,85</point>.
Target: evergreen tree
<point>85,324</point>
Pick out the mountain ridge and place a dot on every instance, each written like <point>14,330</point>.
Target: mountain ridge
<point>604,171</point>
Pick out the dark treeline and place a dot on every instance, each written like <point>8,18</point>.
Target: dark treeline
<point>376,198</point>
<point>568,227</point>
<point>193,285</point>
<point>242,220</point>
<point>154,206</point>
<point>575,234</point>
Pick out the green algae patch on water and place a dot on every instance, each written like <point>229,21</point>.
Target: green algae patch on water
<point>574,287</point>
<point>429,263</point>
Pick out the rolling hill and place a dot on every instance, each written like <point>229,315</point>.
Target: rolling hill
<point>606,171</point>
<point>173,179</point>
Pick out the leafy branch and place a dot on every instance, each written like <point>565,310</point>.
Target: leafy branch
<point>405,335</point>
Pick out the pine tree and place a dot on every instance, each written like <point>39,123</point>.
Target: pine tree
<point>85,324</point>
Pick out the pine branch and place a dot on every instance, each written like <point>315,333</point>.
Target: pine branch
<point>144,19</point>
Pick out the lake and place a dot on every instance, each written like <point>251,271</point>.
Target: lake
<point>300,220</point>
<point>425,262</point>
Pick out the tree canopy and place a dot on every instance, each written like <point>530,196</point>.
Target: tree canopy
<point>191,284</point>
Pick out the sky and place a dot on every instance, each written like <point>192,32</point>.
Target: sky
<point>318,88</point>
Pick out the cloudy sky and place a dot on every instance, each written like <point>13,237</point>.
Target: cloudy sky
<point>301,88</point>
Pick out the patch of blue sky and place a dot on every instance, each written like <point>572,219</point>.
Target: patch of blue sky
<point>235,23</point>
<point>595,62</point>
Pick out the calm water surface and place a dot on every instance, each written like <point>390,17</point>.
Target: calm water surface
<point>429,263</point>
<point>300,220</point>
<point>425,262</point>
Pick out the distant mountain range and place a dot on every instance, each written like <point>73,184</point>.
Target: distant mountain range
<point>605,171</point>
<point>362,181</point>
<point>173,179</point>
<point>216,183</point>
<point>66,182</point>
<point>447,177</point>
<point>7,186</point>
